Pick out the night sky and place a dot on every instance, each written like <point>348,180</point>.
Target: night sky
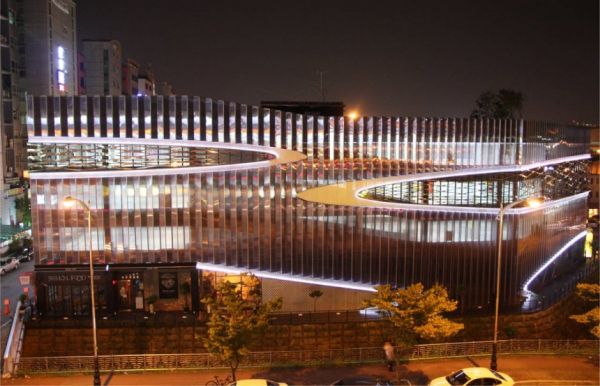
<point>419,58</point>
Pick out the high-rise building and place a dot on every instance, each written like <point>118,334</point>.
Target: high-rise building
<point>130,74</point>
<point>102,60</point>
<point>146,82</point>
<point>81,89</point>
<point>184,189</point>
<point>12,137</point>
<point>48,47</point>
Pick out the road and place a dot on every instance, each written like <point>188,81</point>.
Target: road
<point>526,370</point>
<point>11,288</point>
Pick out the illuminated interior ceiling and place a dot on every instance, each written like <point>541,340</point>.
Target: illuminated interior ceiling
<point>362,193</point>
<point>130,157</point>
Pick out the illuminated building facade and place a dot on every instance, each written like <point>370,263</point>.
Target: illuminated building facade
<point>180,184</point>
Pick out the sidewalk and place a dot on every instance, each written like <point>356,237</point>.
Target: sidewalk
<point>534,370</point>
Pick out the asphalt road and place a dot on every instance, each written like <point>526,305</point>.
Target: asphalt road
<point>11,289</point>
<point>526,370</point>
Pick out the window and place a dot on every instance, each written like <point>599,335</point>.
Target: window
<point>61,68</point>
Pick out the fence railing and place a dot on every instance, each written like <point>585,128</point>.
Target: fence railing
<point>148,362</point>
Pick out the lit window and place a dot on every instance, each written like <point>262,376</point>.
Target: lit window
<point>60,54</point>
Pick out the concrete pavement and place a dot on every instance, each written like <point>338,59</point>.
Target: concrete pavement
<point>526,370</point>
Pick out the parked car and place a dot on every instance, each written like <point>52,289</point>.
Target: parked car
<point>256,382</point>
<point>474,376</point>
<point>8,264</point>
<point>362,380</point>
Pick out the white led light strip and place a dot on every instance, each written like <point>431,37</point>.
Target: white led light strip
<point>552,259</point>
<point>282,276</point>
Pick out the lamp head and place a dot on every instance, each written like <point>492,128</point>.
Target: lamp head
<point>69,202</point>
<point>535,202</point>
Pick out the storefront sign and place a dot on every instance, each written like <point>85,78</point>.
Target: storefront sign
<point>69,278</point>
<point>167,285</point>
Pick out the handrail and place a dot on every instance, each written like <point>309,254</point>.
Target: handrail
<point>151,362</point>
<point>12,351</point>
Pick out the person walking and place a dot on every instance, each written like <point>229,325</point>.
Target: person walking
<point>388,350</point>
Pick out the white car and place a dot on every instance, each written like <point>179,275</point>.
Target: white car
<point>474,376</point>
<point>8,264</point>
<point>256,382</point>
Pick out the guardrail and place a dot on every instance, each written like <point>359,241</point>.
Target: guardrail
<point>150,362</point>
<point>12,352</point>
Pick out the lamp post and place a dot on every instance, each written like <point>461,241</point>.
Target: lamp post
<point>71,201</point>
<point>532,203</point>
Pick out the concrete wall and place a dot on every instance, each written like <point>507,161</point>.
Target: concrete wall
<point>295,296</point>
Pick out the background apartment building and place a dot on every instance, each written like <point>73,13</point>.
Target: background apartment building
<point>102,62</point>
<point>130,74</point>
<point>38,56</point>
<point>11,135</point>
<point>49,47</point>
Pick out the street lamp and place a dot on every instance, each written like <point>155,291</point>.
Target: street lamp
<point>531,202</point>
<point>71,202</point>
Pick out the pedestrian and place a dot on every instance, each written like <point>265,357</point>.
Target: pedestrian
<point>388,350</point>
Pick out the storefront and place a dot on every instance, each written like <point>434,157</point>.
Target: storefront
<point>62,292</point>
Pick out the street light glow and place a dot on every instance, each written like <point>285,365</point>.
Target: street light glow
<point>535,202</point>
<point>353,114</point>
<point>69,202</point>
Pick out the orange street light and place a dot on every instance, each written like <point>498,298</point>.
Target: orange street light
<point>71,202</point>
<point>532,203</point>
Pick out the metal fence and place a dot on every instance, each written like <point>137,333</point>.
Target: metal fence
<point>148,362</point>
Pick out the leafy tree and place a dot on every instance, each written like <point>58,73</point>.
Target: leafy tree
<point>23,207</point>
<point>14,247</point>
<point>416,313</point>
<point>590,293</point>
<point>237,319</point>
<point>315,295</point>
<point>505,104</point>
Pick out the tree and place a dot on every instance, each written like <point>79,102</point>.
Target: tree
<point>315,295</point>
<point>589,293</point>
<point>505,104</point>
<point>23,207</point>
<point>15,246</point>
<point>416,313</point>
<point>237,319</point>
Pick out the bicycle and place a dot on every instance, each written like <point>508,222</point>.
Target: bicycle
<point>219,382</point>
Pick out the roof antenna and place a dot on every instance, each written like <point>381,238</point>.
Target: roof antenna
<point>322,84</point>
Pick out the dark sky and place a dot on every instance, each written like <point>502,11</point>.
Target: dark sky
<point>401,57</point>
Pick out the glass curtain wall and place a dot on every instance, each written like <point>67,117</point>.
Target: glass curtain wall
<point>251,218</point>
